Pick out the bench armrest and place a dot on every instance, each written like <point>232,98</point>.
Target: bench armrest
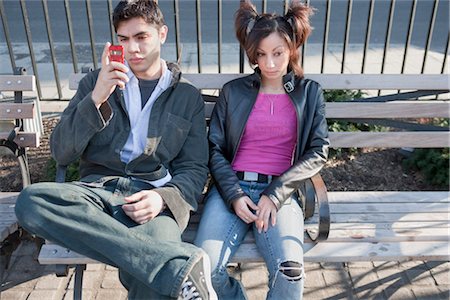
<point>320,233</point>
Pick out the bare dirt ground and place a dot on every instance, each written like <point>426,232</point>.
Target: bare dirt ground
<point>367,169</point>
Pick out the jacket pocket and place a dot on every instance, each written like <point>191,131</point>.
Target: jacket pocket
<point>174,134</point>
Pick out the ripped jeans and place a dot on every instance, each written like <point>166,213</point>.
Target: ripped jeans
<point>221,232</point>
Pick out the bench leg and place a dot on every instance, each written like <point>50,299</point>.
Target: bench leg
<point>78,284</point>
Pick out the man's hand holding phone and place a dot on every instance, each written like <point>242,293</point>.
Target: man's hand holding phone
<point>112,74</point>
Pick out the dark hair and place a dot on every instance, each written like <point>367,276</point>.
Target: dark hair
<point>146,9</point>
<point>294,28</point>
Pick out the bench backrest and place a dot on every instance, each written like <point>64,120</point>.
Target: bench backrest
<point>396,108</point>
<point>19,114</point>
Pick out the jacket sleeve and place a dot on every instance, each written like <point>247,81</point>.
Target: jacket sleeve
<point>226,180</point>
<point>313,158</point>
<point>78,124</point>
<point>189,169</point>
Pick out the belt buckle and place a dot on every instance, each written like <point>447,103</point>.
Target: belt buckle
<point>250,176</point>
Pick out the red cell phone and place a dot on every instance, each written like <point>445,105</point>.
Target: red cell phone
<point>116,53</point>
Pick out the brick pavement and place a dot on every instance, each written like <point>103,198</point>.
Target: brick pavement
<point>27,280</point>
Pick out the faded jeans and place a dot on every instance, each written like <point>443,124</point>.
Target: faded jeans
<point>90,220</point>
<point>221,232</point>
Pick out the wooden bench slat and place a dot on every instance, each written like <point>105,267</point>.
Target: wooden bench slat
<point>388,235</point>
<point>23,139</point>
<point>11,83</point>
<point>9,111</point>
<point>382,218</point>
<point>388,196</point>
<point>388,208</point>
<point>343,81</point>
<point>419,139</point>
<point>328,81</point>
<point>320,252</point>
<point>375,110</point>
<point>395,109</point>
<point>390,225</point>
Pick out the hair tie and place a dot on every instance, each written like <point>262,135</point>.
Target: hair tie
<point>250,25</point>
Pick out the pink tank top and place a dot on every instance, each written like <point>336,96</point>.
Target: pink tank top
<point>269,137</point>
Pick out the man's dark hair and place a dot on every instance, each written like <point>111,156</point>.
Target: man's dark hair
<point>146,9</point>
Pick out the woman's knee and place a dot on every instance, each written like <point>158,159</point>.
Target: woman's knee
<point>291,270</point>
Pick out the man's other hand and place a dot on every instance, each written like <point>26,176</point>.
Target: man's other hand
<point>143,206</point>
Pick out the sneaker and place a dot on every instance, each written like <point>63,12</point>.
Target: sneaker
<point>198,285</point>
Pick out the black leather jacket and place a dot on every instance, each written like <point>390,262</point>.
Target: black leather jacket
<point>228,121</point>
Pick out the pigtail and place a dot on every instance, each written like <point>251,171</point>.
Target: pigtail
<point>298,17</point>
<point>245,18</point>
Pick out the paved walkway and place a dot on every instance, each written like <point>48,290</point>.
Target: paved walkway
<point>26,279</point>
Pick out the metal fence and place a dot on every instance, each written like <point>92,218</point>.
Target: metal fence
<point>55,38</point>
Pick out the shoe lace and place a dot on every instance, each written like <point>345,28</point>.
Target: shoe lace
<point>189,291</point>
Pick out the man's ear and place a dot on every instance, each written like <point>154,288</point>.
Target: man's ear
<point>163,33</point>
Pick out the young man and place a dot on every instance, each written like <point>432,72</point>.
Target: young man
<point>139,131</point>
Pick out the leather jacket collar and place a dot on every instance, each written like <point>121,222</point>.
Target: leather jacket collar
<point>288,80</point>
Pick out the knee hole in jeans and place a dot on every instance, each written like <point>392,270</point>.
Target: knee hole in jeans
<point>292,270</point>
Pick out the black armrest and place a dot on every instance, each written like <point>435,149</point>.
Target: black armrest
<point>321,233</point>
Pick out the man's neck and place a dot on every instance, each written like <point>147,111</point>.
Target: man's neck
<point>152,73</point>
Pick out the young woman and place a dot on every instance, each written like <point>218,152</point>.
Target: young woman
<point>268,134</point>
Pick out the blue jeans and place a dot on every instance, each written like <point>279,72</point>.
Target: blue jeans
<point>152,259</point>
<point>221,232</point>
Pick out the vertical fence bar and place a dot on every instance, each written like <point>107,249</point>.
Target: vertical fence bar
<point>91,32</point>
<point>325,35</point>
<point>71,39</point>
<point>30,46</point>
<point>219,35</point>
<point>176,8</point>
<point>111,26</point>
<point>445,54</point>
<point>347,33</point>
<point>408,38</point>
<point>199,36</point>
<point>52,48</point>
<point>241,53</point>
<point>368,31</point>
<point>430,34</point>
<point>444,61</point>
<point>388,35</point>
<point>264,6</point>
<point>286,6</point>
<point>7,37</point>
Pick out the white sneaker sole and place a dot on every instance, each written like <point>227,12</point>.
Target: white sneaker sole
<point>207,269</point>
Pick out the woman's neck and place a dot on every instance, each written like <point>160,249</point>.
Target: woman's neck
<point>272,86</point>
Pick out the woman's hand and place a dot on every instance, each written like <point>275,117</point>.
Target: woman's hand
<point>267,211</point>
<point>143,206</point>
<point>242,208</point>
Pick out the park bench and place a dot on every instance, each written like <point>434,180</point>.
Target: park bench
<point>349,226</point>
<point>20,128</point>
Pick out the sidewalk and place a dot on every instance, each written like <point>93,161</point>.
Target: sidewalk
<point>26,279</point>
